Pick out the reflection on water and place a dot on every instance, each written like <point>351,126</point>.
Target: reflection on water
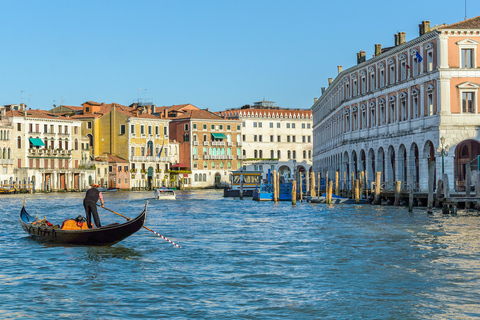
<point>243,260</point>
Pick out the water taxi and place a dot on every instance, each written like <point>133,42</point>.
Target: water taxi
<point>164,193</point>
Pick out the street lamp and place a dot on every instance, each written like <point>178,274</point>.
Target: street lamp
<point>442,150</point>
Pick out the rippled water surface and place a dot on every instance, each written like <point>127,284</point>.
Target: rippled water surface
<point>243,260</point>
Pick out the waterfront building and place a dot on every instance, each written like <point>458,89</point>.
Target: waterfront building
<point>274,138</point>
<point>47,149</point>
<point>128,133</point>
<point>6,148</point>
<point>209,146</point>
<point>390,112</point>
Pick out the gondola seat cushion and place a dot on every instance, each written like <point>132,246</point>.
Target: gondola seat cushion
<point>71,224</point>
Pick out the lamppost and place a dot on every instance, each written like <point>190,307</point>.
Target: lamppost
<point>442,150</point>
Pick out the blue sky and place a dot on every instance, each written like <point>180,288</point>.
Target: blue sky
<point>213,54</point>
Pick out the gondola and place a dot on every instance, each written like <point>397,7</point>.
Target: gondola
<point>103,236</point>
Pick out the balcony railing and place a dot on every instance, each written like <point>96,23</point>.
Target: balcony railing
<point>206,143</point>
<point>195,143</point>
<point>241,157</point>
<point>6,161</point>
<point>218,143</point>
<point>229,144</point>
<point>195,157</point>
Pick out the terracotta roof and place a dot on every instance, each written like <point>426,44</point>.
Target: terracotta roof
<point>472,23</point>
<point>111,159</point>
<point>75,108</point>
<point>198,114</point>
<point>42,114</point>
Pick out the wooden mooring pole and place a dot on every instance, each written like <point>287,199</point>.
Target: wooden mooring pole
<point>431,172</point>
<point>330,191</point>
<point>294,192</point>
<point>275,195</point>
<point>357,191</point>
<point>337,185</point>
<point>398,189</point>
<point>312,192</point>
<point>410,192</point>
<point>378,178</point>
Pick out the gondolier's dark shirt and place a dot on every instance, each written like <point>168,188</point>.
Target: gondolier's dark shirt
<point>92,195</point>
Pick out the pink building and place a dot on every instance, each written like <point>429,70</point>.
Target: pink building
<point>389,113</point>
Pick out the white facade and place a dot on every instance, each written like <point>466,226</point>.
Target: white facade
<point>59,163</point>
<point>274,138</point>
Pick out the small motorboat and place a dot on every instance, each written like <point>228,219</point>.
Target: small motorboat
<point>103,236</point>
<point>112,189</point>
<point>164,193</point>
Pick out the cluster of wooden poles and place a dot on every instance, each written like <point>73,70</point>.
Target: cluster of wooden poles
<point>357,186</point>
<point>332,186</point>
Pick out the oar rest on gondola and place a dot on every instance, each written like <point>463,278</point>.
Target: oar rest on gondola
<point>103,236</point>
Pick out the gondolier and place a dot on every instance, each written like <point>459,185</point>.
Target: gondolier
<point>90,204</point>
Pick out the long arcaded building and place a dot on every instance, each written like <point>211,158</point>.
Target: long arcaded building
<point>389,113</point>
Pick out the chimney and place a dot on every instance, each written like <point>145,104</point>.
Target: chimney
<point>330,80</point>
<point>361,57</point>
<point>340,69</point>
<point>401,37</point>
<point>314,100</point>
<point>378,49</point>
<point>208,110</point>
<point>165,113</point>
<point>424,27</point>
<point>323,90</point>
<point>396,39</point>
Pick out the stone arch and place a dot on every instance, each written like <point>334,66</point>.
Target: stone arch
<point>429,155</point>
<point>402,165</point>
<point>391,163</point>
<point>414,164</point>
<point>464,152</point>
<point>380,162</point>
<point>371,168</point>
<point>346,164</point>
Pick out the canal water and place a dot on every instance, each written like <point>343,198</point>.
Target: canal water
<point>243,260</point>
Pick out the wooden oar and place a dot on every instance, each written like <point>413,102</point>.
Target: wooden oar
<point>121,215</point>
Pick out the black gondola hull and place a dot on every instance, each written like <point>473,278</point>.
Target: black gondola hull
<point>104,236</point>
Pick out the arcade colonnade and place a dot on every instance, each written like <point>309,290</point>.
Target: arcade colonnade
<point>395,160</point>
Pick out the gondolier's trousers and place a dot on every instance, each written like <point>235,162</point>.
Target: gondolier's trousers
<point>91,209</point>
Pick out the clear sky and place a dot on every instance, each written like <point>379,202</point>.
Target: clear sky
<point>212,54</point>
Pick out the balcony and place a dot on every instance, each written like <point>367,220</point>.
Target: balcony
<point>195,157</point>
<point>206,143</point>
<point>195,143</point>
<point>6,161</point>
<point>229,144</point>
<point>218,143</point>
<point>241,157</point>
<point>239,144</point>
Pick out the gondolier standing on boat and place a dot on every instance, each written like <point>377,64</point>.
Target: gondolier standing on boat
<point>90,204</point>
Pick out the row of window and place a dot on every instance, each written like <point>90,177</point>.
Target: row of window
<point>4,135</point>
<point>258,154</point>
<point>259,138</point>
<point>212,127</point>
<point>50,144</point>
<point>5,153</point>
<point>35,127</point>
<point>149,151</point>
<point>48,163</point>
<point>288,125</point>
<point>142,130</point>
<point>214,165</point>
<point>216,151</point>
